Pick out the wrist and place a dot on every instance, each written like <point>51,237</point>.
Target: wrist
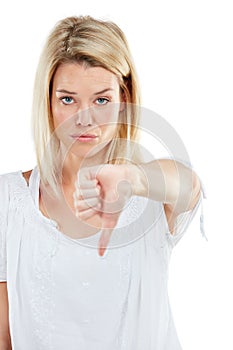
<point>138,180</point>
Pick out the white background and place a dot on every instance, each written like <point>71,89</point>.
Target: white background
<point>183,53</point>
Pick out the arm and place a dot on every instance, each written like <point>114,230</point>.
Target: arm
<point>169,182</point>
<point>5,341</point>
<point>166,181</point>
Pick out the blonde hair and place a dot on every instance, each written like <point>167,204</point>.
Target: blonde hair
<point>94,43</point>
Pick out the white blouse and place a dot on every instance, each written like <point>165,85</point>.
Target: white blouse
<point>63,295</point>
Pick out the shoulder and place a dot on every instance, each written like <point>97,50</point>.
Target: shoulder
<point>12,186</point>
<point>11,176</point>
<point>11,180</point>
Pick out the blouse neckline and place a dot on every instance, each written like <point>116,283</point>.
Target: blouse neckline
<point>33,186</point>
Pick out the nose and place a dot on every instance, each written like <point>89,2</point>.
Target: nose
<point>84,117</point>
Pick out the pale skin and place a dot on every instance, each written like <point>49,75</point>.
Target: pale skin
<point>97,192</point>
<point>5,341</point>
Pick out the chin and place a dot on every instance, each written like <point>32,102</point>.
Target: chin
<point>86,151</point>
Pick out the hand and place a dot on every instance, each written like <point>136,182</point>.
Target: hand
<point>102,190</point>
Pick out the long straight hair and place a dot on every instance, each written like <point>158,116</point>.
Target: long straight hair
<point>95,43</point>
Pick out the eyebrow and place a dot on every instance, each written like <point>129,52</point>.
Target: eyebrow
<point>75,93</point>
<point>102,91</point>
<point>66,92</point>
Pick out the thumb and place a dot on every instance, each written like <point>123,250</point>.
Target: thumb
<point>104,240</point>
<point>108,224</point>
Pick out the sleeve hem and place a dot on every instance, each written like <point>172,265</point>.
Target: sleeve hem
<point>3,280</point>
<point>182,222</point>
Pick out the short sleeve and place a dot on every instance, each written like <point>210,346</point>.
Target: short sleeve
<point>184,219</point>
<point>4,204</point>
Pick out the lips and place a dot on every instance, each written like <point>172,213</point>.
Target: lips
<point>84,137</point>
<point>90,136</point>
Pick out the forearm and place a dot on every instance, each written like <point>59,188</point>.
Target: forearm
<point>5,339</point>
<point>5,343</point>
<point>166,181</point>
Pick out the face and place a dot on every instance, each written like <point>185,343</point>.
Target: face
<point>85,105</point>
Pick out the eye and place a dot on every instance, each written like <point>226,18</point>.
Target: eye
<point>101,101</point>
<point>67,100</point>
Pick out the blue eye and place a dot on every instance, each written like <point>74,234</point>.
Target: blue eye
<point>67,100</point>
<point>101,101</point>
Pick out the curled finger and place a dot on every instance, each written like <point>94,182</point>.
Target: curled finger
<point>87,214</point>
<point>84,204</point>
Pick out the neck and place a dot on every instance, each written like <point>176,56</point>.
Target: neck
<point>72,163</point>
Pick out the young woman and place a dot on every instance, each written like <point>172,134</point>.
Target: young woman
<point>86,236</point>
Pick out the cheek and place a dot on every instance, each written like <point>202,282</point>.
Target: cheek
<point>63,124</point>
<point>107,115</point>
<point>108,132</point>
<point>108,123</point>
<point>58,116</point>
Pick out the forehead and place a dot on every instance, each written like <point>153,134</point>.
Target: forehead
<point>77,76</point>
